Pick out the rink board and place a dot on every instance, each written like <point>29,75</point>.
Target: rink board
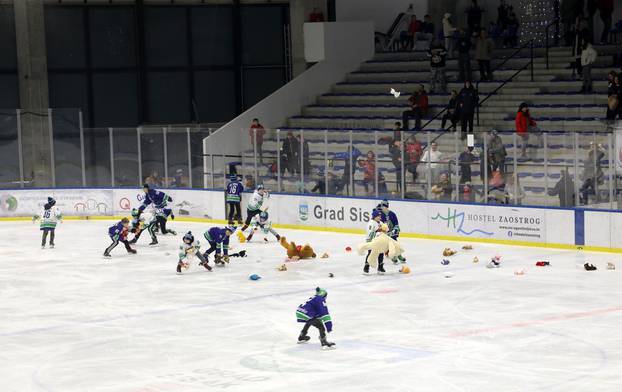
<point>528,226</point>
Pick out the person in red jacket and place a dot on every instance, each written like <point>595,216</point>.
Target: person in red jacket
<point>525,125</point>
<point>413,29</point>
<point>256,133</point>
<point>418,108</point>
<point>369,172</point>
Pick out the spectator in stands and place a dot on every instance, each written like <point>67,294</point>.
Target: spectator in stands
<point>438,78</point>
<point>474,18</point>
<point>511,31</point>
<point>397,131</point>
<point>432,158</point>
<point>464,55</point>
<point>178,179</point>
<point>349,168</point>
<point>448,33</point>
<point>154,179</point>
<point>413,30</point>
<point>249,182</point>
<point>427,31</point>
<point>514,193</point>
<point>334,183</point>
<point>316,15</point>
<point>606,11</point>
<point>496,188</point>
<point>614,95</point>
<point>565,189</point>
<point>483,53</point>
<point>468,193</point>
<point>418,108</point>
<point>525,125</point>
<point>382,185</point>
<point>257,132</point>
<point>369,172</point>
<point>306,160</point>
<point>414,151</point>
<point>442,190</point>
<point>494,32</point>
<point>465,159</point>
<point>592,173</point>
<point>395,149</point>
<point>582,37</point>
<point>496,152</point>
<point>467,103</point>
<point>503,14</point>
<point>289,155</point>
<point>452,114</point>
<point>588,58</point>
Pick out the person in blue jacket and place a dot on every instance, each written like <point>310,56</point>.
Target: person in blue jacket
<point>394,226</point>
<point>159,200</point>
<point>315,313</point>
<point>118,233</point>
<point>218,238</point>
<point>233,197</point>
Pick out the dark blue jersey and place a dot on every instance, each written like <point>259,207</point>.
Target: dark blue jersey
<point>234,192</point>
<point>155,197</point>
<point>217,236</point>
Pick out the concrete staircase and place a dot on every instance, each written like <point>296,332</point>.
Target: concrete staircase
<point>362,103</point>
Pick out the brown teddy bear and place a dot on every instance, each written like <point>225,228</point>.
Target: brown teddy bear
<point>297,251</point>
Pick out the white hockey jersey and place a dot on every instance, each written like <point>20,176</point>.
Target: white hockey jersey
<point>373,228</point>
<point>257,201</point>
<point>49,218</point>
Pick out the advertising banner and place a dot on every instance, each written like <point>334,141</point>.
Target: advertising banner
<point>186,203</point>
<point>80,202</point>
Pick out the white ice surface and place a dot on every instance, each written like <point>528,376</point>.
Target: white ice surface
<point>72,321</point>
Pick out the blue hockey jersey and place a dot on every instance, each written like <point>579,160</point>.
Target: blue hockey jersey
<point>394,225</point>
<point>118,231</point>
<point>158,198</point>
<point>234,191</point>
<point>218,236</point>
<point>315,308</point>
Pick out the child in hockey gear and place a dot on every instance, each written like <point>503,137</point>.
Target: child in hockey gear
<point>157,198</point>
<point>136,225</point>
<point>218,238</point>
<point>255,206</point>
<point>315,313</point>
<point>49,217</point>
<point>161,216</point>
<point>118,233</point>
<point>233,197</point>
<point>373,228</point>
<point>188,248</point>
<point>261,222</point>
<point>394,227</point>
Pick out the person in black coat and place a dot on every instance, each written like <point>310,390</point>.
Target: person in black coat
<point>467,103</point>
<point>565,189</point>
<point>464,55</point>
<point>306,159</point>
<point>451,114</point>
<point>395,149</point>
<point>289,154</point>
<point>465,160</point>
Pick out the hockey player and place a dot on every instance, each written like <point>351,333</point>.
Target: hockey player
<point>233,198</point>
<point>157,198</point>
<point>48,218</point>
<point>161,217</point>
<point>255,206</point>
<point>373,227</point>
<point>394,227</point>
<point>262,222</point>
<point>189,248</point>
<point>137,225</point>
<point>315,313</point>
<point>118,233</point>
<point>151,227</point>
<point>218,239</point>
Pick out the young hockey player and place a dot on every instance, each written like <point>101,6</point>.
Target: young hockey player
<point>157,198</point>
<point>394,227</point>
<point>261,222</point>
<point>373,227</point>
<point>151,227</point>
<point>255,206</point>
<point>118,233</point>
<point>137,225</point>
<point>233,197</point>
<point>161,217</point>
<point>189,248</point>
<point>218,238</point>
<point>315,313</point>
<point>48,218</point>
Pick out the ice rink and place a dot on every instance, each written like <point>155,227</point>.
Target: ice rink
<point>73,321</point>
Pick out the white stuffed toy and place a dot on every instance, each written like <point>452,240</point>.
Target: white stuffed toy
<point>382,243</point>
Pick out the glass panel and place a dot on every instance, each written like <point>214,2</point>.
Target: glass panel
<point>9,150</point>
<point>177,153</point>
<point>365,161</point>
<point>67,150</point>
<point>125,143</point>
<point>200,172</point>
<point>97,157</point>
<point>267,151</point>
<point>64,37</point>
<point>152,155</point>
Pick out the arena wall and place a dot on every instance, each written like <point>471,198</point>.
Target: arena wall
<point>585,229</point>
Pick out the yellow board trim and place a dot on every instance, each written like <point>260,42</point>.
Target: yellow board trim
<point>358,231</point>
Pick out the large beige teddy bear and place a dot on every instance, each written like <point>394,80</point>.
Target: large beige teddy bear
<point>381,244</point>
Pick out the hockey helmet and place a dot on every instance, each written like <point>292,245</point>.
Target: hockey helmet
<point>376,213</point>
<point>135,212</point>
<point>263,216</point>
<point>321,292</point>
<point>188,238</point>
<point>51,201</point>
<point>231,228</point>
<point>384,204</point>
<point>260,187</point>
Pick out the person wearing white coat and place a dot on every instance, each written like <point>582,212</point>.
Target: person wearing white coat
<point>588,57</point>
<point>448,33</point>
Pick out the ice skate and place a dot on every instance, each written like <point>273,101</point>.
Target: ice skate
<point>51,246</point>
<point>153,243</point>
<point>107,255</point>
<point>204,264</point>
<point>42,246</point>
<point>381,270</point>
<point>303,339</point>
<point>131,251</point>
<point>366,269</point>
<point>326,345</point>
<point>178,268</point>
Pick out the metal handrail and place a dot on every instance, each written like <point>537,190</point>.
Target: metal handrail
<point>555,22</point>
